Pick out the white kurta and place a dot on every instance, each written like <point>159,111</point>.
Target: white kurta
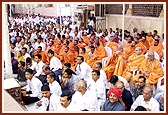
<point>71,107</point>
<point>55,88</point>
<point>153,105</point>
<point>35,86</point>
<point>39,70</point>
<point>55,64</point>
<point>53,103</point>
<point>84,71</point>
<point>87,101</point>
<point>99,88</point>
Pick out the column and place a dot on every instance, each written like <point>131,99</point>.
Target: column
<point>162,12</point>
<point>6,56</point>
<point>129,11</point>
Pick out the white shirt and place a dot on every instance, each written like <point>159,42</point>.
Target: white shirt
<point>87,101</point>
<point>26,56</point>
<point>53,103</point>
<point>55,88</point>
<point>99,88</point>
<point>103,77</point>
<point>55,64</point>
<point>39,70</point>
<point>71,107</point>
<point>35,86</point>
<point>153,105</point>
<point>33,67</point>
<point>84,71</point>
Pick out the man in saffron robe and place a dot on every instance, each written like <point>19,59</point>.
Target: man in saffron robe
<point>156,48</point>
<point>42,53</point>
<point>115,64</point>
<point>98,54</point>
<point>145,42</point>
<point>113,45</point>
<point>133,63</point>
<point>139,44</point>
<point>66,56</point>
<point>82,52</point>
<point>151,69</point>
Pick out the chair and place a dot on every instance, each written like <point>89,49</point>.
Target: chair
<point>109,53</point>
<point>160,87</point>
<point>108,50</point>
<point>104,60</point>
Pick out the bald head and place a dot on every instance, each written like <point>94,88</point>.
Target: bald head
<point>138,50</point>
<point>147,93</point>
<point>82,84</point>
<point>119,85</point>
<point>150,55</point>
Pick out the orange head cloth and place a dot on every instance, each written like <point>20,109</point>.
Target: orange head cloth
<point>115,91</point>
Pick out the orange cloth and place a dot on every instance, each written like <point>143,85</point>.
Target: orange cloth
<point>160,44</point>
<point>144,49</point>
<point>126,44</point>
<point>102,41</point>
<point>85,55</point>
<point>133,63</point>
<point>81,45</point>
<point>146,43</point>
<point>87,49</point>
<point>113,45</point>
<point>120,66</point>
<point>43,55</point>
<point>55,41</point>
<point>128,51</point>
<point>58,48</point>
<point>150,39</point>
<point>158,49</point>
<point>86,39</point>
<point>50,47</point>
<point>66,57</point>
<point>71,47</point>
<point>109,67</point>
<point>155,71</point>
<point>98,54</point>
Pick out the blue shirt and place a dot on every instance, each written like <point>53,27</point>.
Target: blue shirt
<point>108,106</point>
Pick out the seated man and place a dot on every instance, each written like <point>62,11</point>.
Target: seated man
<point>98,55</point>
<point>133,63</point>
<point>69,80</point>
<point>82,69</point>
<point>137,89</point>
<point>53,84</point>
<point>95,84</point>
<point>146,100</point>
<point>21,74</point>
<point>65,102</point>
<point>126,98</point>
<point>83,98</point>
<point>151,69</point>
<point>32,93</point>
<point>49,102</point>
<point>112,103</point>
<point>160,98</point>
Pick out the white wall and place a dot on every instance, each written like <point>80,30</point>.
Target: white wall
<point>142,23</point>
